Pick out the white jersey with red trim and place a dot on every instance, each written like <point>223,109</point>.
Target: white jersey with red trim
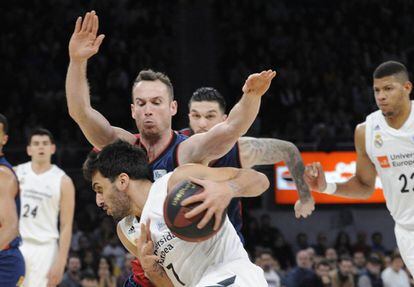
<point>392,153</point>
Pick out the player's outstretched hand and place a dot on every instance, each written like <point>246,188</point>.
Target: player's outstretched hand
<point>215,198</point>
<point>304,209</point>
<point>314,176</point>
<point>55,275</point>
<point>85,41</point>
<point>257,84</point>
<point>145,250</point>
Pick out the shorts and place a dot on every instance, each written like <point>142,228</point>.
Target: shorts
<point>39,259</point>
<point>405,242</point>
<point>237,273</point>
<point>11,268</point>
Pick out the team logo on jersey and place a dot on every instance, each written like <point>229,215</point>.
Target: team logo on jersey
<point>131,230</point>
<point>160,225</point>
<point>383,161</point>
<point>378,142</point>
<point>159,173</point>
<point>377,128</point>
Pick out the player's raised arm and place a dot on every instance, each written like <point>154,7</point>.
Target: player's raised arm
<point>221,185</point>
<point>9,223</point>
<point>361,185</point>
<point>254,151</point>
<point>85,43</point>
<point>213,144</point>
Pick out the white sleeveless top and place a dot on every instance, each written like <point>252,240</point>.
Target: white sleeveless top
<point>392,152</point>
<point>40,203</point>
<point>185,262</point>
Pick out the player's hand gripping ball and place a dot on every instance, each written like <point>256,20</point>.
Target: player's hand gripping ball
<point>186,228</point>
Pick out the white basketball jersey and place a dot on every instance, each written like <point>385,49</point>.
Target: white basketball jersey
<point>185,262</point>
<point>40,203</point>
<point>392,152</point>
<point>131,228</point>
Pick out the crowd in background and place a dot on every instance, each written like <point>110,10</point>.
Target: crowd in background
<point>324,52</point>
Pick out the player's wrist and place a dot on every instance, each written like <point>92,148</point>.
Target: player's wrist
<point>330,188</point>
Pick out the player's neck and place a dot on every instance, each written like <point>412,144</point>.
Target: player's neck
<point>138,192</point>
<point>39,167</point>
<point>397,121</point>
<point>156,147</point>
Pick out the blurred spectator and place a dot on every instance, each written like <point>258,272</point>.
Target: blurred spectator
<point>302,274</point>
<point>114,250</point>
<point>267,232</point>
<point>377,246</point>
<point>269,265</point>
<point>105,273</point>
<point>394,275</point>
<point>301,241</point>
<point>126,269</point>
<point>343,243</point>
<point>72,278</point>
<point>321,244</point>
<point>322,271</point>
<point>283,252</point>
<point>89,279</point>
<point>343,276</point>
<point>361,243</point>
<point>332,257</point>
<point>372,278</point>
<point>360,262</point>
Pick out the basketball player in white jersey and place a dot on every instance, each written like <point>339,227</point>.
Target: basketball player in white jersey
<point>47,195</point>
<point>385,146</point>
<point>120,174</point>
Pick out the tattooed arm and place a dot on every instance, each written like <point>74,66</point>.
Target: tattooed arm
<point>254,151</point>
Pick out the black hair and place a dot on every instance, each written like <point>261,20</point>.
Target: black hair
<point>116,158</point>
<point>391,68</point>
<point>208,94</point>
<point>5,122</point>
<point>345,257</point>
<point>323,262</point>
<point>40,132</point>
<point>150,75</point>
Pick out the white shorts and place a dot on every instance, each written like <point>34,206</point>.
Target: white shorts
<point>405,242</point>
<point>38,259</point>
<point>238,273</point>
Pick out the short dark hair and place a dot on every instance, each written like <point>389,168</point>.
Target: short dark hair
<point>116,158</point>
<point>323,262</point>
<point>391,68</point>
<point>345,257</point>
<point>208,94</point>
<point>150,75</point>
<point>395,256</point>
<point>40,132</point>
<point>5,122</point>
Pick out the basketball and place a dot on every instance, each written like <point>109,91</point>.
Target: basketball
<point>186,228</point>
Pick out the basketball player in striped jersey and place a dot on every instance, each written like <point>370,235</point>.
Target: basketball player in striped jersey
<point>47,196</point>
<point>120,173</point>
<point>11,260</point>
<point>385,147</point>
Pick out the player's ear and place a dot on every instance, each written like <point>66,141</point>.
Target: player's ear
<point>5,139</point>
<point>408,87</point>
<point>132,111</point>
<point>173,107</point>
<point>122,182</point>
<point>53,148</point>
<point>223,117</point>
